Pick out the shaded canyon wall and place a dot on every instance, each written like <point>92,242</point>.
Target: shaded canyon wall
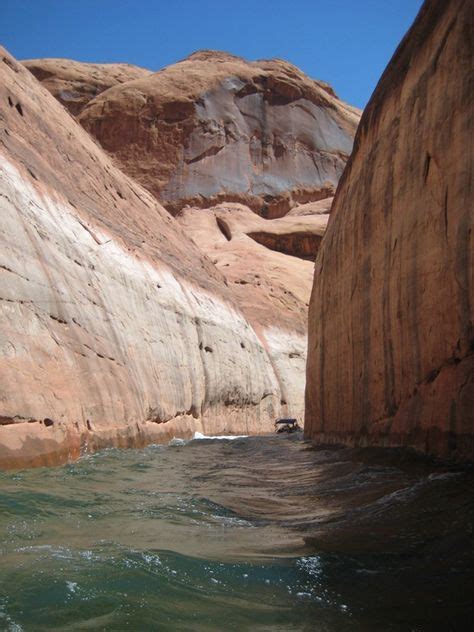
<point>390,326</point>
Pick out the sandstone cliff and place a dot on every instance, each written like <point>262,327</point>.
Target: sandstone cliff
<point>115,329</point>
<point>75,83</point>
<point>390,327</point>
<point>272,288</point>
<point>216,128</point>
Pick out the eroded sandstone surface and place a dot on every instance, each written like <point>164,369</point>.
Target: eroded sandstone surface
<point>390,327</point>
<point>75,83</point>
<point>216,128</point>
<point>115,328</point>
<point>271,288</point>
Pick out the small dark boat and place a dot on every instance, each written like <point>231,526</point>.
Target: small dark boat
<point>286,425</point>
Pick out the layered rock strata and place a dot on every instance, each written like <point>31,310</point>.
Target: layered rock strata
<point>115,328</point>
<point>390,326</point>
<point>215,128</point>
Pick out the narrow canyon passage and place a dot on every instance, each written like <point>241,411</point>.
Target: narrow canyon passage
<point>255,533</point>
<point>200,248</point>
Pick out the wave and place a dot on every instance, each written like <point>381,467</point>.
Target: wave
<point>199,435</point>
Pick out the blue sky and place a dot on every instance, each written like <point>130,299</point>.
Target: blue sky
<point>345,42</point>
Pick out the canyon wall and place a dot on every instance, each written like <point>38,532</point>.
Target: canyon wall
<point>271,288</point>
<point>390,357</point>
<point>220,140</point>
<point>115,329</point>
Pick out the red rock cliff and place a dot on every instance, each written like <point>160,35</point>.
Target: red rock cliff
<point>390,327</point>
<point>215,127</point>
<point>115,329</point>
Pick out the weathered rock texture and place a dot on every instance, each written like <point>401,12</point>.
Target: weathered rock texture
<point>115,329</point>
<point>75,83</point>
<point>216,128</point>
<point>271,288</point>
<point>320,207</point>
<point>390,336</point>
<point>295,235</point>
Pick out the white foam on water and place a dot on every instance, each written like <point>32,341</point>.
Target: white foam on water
<point>151,559</point>
<point>199,435</point>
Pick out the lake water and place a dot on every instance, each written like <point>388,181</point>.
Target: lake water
<point>258,533</point>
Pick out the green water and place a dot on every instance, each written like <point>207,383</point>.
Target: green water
<point>250,534</point>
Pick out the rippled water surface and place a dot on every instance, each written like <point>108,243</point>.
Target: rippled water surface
<point>263,533</point>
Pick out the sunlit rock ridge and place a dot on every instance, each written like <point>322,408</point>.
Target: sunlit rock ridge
<point>76,83</point>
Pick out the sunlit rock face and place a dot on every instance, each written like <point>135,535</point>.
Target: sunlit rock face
<point>272,288</point>
<point>115,329</point>
<point>216,128</point>
<point>390,326</point>
<point>75,83</point>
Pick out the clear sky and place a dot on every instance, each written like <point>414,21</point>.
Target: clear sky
<point>345,42</point>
